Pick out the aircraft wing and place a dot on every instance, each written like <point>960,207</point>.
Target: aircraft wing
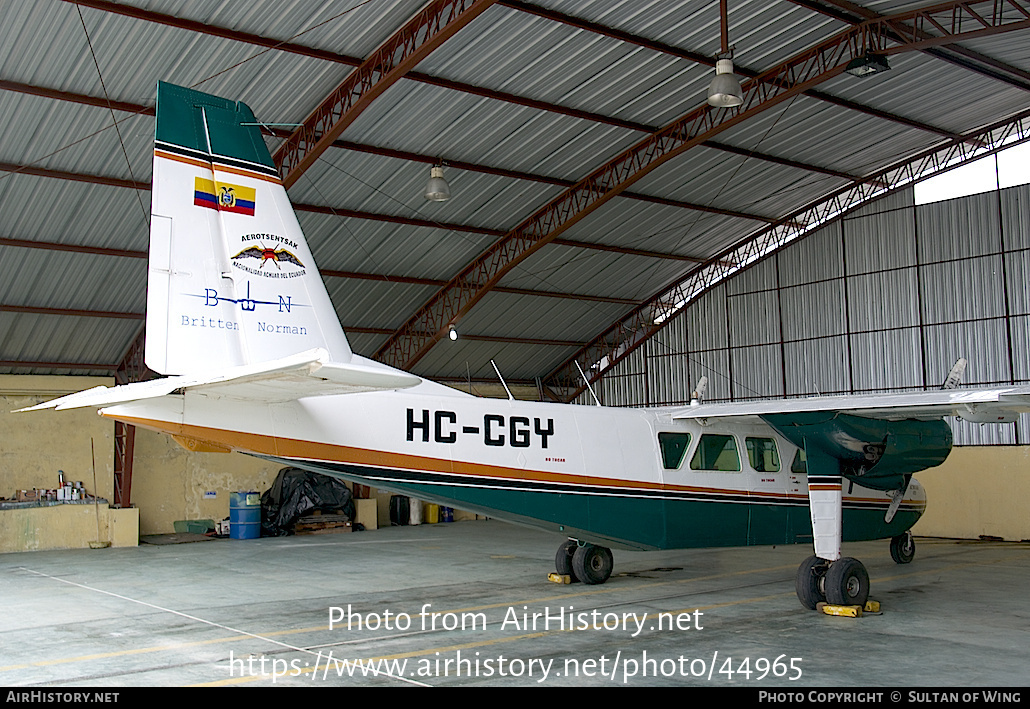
<point>295,377</point>
<point>995,405</point>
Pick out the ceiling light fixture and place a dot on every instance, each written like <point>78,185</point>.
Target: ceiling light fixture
<point>867,64</point>
<point>437,190</point>
<point>453,334</point>
<point>724,91</point>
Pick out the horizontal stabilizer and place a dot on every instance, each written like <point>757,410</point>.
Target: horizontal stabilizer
<point>998,405</point>
<point>295,377</point>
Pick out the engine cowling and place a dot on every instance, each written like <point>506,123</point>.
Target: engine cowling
<point>875,453</point>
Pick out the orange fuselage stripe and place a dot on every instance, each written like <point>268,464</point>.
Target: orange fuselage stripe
<point>218,167</point>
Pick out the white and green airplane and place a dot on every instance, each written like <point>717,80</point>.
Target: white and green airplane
<point>239,320</point>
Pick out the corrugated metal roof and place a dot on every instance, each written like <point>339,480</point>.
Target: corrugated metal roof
<point>506,50</point>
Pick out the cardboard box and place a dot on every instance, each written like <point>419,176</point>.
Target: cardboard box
<point>367,513</point>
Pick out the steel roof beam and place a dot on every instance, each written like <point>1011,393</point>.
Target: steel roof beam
<point>337,212</point>
<point>801,73</point>
<point>639,325</point>
<point>398,55</point>
<point>479,338</point>
<point>79,313</point>
<point>33,310</point>
<point>271,43</point>
<point>501,172</point>
<point>410,280</point>
<point>29,364</point>
<point>853,14</point>
<point>407,280</point>
<point>461,165</point>
<point>710,61</point>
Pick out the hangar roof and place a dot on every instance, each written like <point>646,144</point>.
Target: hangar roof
<point>528,105</point>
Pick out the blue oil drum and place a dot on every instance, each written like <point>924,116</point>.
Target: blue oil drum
<point>244,515</point>
<point>446,514</point>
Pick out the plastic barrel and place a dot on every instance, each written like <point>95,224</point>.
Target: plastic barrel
<point>446,514</point>
<point>244,515</point>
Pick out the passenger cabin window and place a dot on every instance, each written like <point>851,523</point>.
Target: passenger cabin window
<point>716,452</point>
<point>800,464</point>
<point>674,447</point>
<point>762,454</point>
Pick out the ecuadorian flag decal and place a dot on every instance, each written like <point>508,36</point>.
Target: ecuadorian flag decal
<point>223,197</point>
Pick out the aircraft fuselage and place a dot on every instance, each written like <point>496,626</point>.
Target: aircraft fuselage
<point>628,478</point>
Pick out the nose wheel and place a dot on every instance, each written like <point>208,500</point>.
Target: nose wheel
<point>903,548</point>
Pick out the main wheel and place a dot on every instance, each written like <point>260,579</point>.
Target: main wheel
<point>846,583</point>
<point>903,548</point>
<point>592,564</point>
<point>563,559</point>
<point>809,581</point>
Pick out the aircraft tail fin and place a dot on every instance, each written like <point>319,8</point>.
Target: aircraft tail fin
<point>231,278</point>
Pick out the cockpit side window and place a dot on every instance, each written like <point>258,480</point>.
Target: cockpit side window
<point>762,454</point>
<point>800,464</point>
<point>716,452</point>
<point>673,446</point>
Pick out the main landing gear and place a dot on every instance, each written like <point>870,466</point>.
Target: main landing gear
<point>844,582</point>
<point>588,563</point>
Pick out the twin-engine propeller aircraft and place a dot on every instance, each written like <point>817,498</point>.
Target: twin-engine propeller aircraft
<point>257,362</point>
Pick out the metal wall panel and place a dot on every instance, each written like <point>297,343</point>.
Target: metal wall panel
<point>1017,270</point>
<point>883,300</point>
<point>813,258</point>
<point>881,361</point>
<point>1020,327</point>
<point>754,318</point>
<point>962,290</point>
<point>705,321</point>
<point>757,277</point>
<point>716,366</point>
<point>970,227</point>
<point>881,235</point>
<point>1015,205</point>
<point>813,310</point>
<point>757,372</point>
<point>668,378</point>
<point>816,367</point>
<point>983,343</point>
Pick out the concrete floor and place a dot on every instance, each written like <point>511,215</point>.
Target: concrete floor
<point>220,612</point>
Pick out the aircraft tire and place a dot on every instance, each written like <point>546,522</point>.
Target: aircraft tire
<point>903,548</point>
<point>847,583</point>
<point>808,582</point>
<point>592,564</point>
<point>563,559</point>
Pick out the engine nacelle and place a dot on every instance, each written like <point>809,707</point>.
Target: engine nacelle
<point>875,453</point>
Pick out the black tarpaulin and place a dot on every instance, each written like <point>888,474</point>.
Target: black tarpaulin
<point>296,493</point>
